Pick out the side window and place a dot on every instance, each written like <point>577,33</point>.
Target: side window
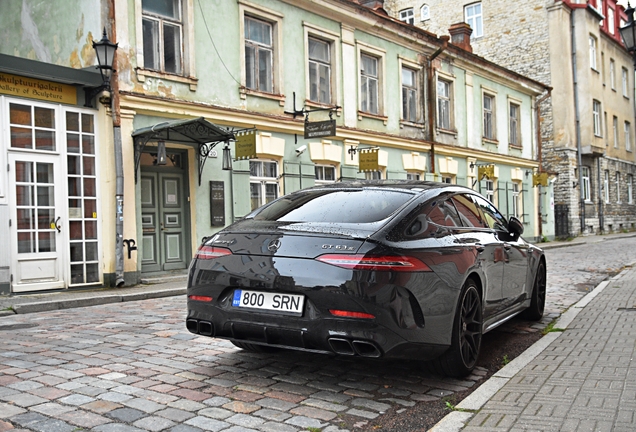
<point>468,212</point>
<point>494,219</point>
<point>429,217</point>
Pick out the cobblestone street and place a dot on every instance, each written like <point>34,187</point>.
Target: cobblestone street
<point>134,367</point>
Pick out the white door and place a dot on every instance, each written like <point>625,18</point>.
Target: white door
<point>38,221</point>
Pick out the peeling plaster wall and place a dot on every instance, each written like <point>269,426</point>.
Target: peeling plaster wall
<point>39,30</point>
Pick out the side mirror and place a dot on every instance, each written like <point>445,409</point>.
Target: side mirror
<point>515,226</point>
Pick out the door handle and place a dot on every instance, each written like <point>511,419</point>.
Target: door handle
<point>56,225</point>
<point>480,247</point>
<point>161,226</point>
<point>507,246</point>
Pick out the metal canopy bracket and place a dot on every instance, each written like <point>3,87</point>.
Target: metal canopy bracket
<point>197,132</point>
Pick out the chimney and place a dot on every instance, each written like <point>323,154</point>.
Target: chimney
<point>460,35</point>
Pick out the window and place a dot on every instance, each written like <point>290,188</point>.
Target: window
<point>606,187</point>
<point>162,35</point>
<point>407,16</point>
<point>373,175</point>
<point>585,177</point>
<point>369,79</point>
<point>615,131</point>
<point>618,187</point>
<point>489,116</point>
<point>473,17</point>
<point>515,129</point>
<point>32,127</point>
<point>325,174</point>
<point>409,95</point>
<point>443,104</point>
<point>593,52</point>
<point>517,205</point>
<point>425,13</point>
<point>263,182</point>
<point>494,219</point>
<point>612,74</point>
<point>468,212</point>
<point>628,138</point>
<point>596,112</point>
<point>319,71</point>
<point>630,195</point>
<point>448,179</point>
<point>258,55</point>
<point>490,190</point>
<point>412,176</point>
<point>611,21</point>
<point>625,83</point>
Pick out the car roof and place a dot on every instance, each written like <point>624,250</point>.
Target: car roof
<point>416,186</point>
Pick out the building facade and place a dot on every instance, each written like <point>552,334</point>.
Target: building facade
<point>587,125</point>
<point>190,87</point>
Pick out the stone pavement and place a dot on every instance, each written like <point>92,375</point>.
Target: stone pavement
<point>578,378</point>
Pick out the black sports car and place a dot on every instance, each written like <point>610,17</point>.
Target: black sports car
<point>404,269</point>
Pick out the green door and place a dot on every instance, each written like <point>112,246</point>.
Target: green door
<point>164,218</point>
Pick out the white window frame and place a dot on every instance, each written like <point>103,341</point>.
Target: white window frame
<point>188,61</point>
<point>611,20</point>
<point>446,100</point>
<point>593,44</point>
<point>613,74</point>
<point>275,19</point>
<point>630,191</point>
<point>380,55</point>
<point>618,187</point>
<point>449,178</point>
<point>414,175</point>
<point>628,136</point>
<point>425,12</point>
<point>375,175</point>
<point>320,179</point>
<point>333,39</point>
<point>625,81</point>
<point>615,130</point>
<point>474,18</point>
<point>489,115</point>
<point>585,178</point>
<point>517,199</point>
<point>490,190</point>
<point>263,181</point>
<point>606,187</point>
<point>596,118</point>
<point>407,16</point>
<point>413,67</point>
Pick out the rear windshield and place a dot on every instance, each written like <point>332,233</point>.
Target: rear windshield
<point>343,206</point>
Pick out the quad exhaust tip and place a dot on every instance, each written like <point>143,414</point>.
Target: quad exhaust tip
<point>204,328</point>
<point>357,347</point>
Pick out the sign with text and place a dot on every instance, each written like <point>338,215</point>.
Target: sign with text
<point>217,203</point>
<point>15,85</point>
<point>540,179</point>
<point>369,160</point>
<point>320,129</point>
<point>246,145</point>
<point>487,171</point>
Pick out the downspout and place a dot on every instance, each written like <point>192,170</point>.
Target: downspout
<point>578,122</point>
<point>601,215</point>
<point>431,100</point>
<point>119,169</point>
<point>540,155</point>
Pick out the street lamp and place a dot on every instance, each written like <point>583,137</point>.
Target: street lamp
<point>628,32</point>
<point>105,51</point>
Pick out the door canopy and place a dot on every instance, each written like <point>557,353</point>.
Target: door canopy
<point>198,132</point>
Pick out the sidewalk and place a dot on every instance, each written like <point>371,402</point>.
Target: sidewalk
<point>576,378</point>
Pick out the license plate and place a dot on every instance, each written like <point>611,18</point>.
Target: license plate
<point>288,303</point>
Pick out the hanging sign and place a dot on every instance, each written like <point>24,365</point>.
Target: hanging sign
<point>37,89</point>
<point>320,129</point>
<point>486,170</point>
<point>369,160</point>
<point>246,145</point>
<point>540,179</point>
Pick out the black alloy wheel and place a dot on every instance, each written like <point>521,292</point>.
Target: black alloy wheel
<point>534,312</point>
<point>461,357</point>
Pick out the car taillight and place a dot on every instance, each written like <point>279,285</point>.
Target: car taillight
<point>376,263</point>
<point>210,252</point>
<point>350,314</point>
<point>200,298</point>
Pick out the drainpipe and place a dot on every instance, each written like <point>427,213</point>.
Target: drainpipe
<point>540,155</point>
<point>601,215</point>
<point>119,170</point>
<point>431,100</point>
<point>578,122</point>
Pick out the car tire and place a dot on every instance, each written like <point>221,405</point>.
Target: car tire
<point>254,347</point>
<point>534,312</point>
<point>460,359</point>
